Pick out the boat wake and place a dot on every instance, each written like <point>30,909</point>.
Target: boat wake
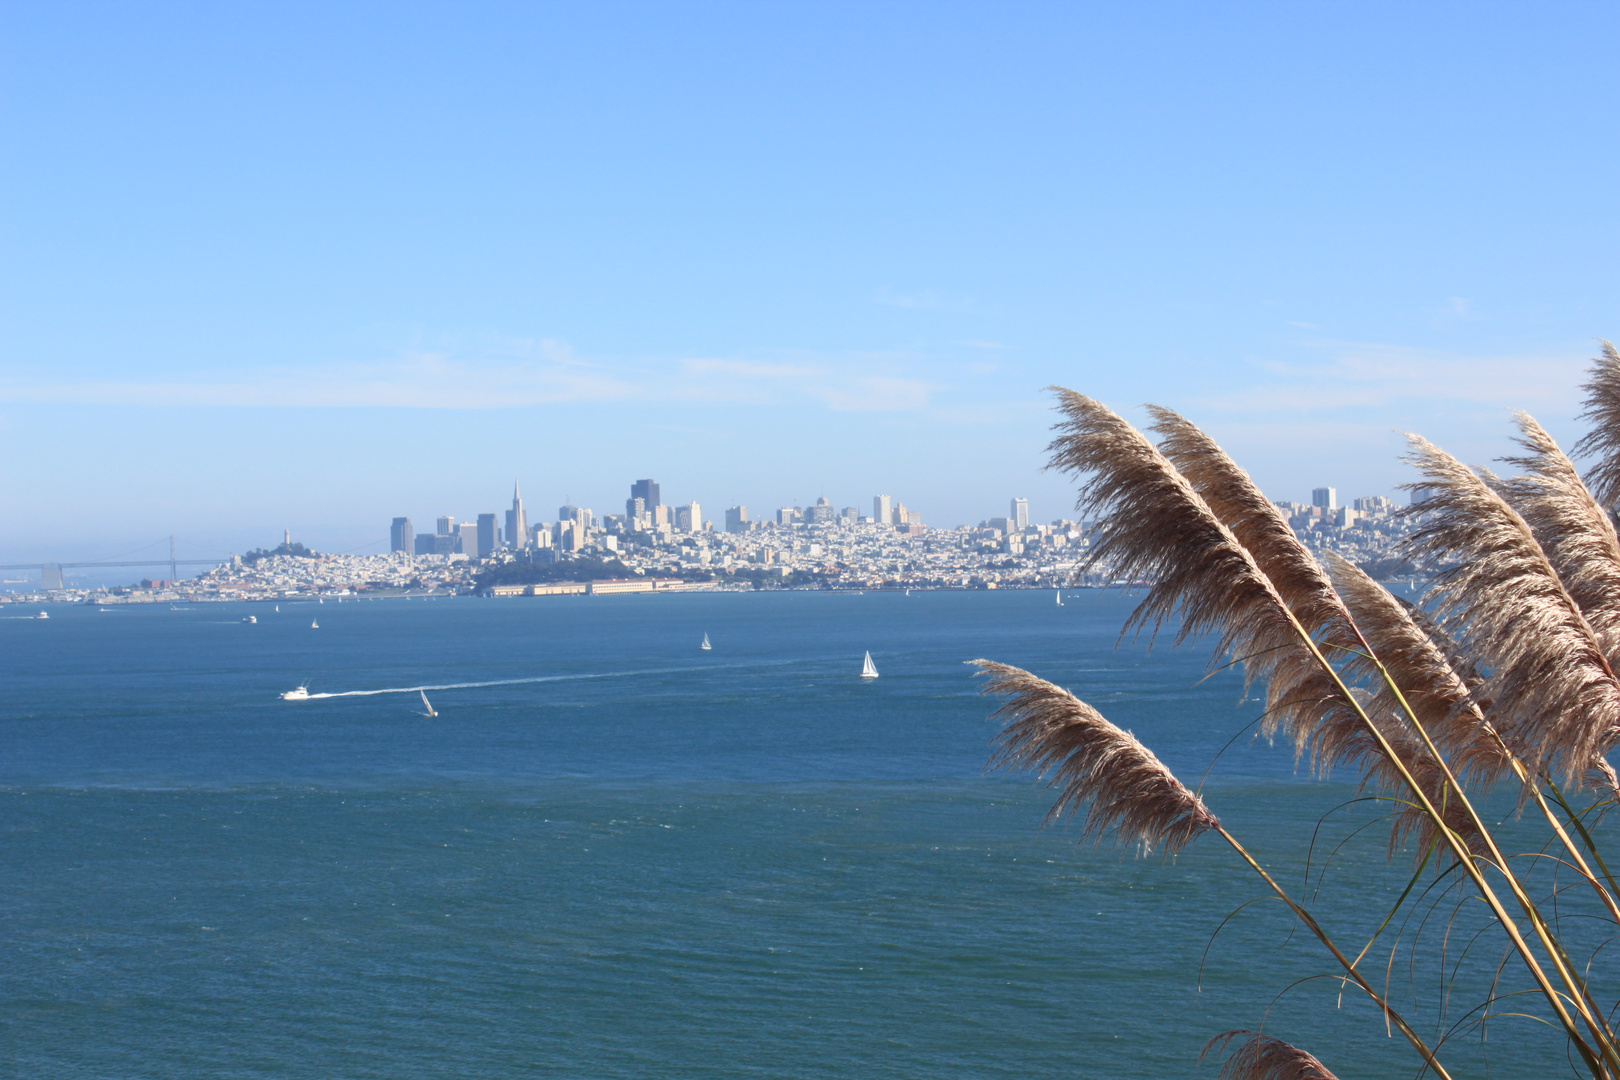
<point>540,679</point>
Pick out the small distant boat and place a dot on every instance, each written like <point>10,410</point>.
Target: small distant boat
<point>301,693</point>
<point>705,646</point>
<point>314,624</point>
<point>1059,597</point>
<point>42,615</point>
<point>869,669</point>
<point>251,619</point>
<point>318,600</point>
<point>427,706</point>
<point>908,592</point>
<point>278,608</point>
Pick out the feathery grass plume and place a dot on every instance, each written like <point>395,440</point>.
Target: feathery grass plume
<point>1554,699</point>
<point>1603,409</point>
<point>1438,684</point>
<point>1257,523</point>
<point>1261,1057</point>
<point>1159,527</point>
<point>1088,759</point>
<point>1301,697</point>
<point>1576,533</point>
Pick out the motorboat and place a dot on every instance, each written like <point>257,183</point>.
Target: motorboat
<point>43,615</point>
<point>300,693</point>
<point>251,619</point>
<point>869,669</point>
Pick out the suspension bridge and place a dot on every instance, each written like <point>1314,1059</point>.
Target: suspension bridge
<point>50,574</point>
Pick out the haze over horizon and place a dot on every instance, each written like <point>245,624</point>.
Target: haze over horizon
<point>314,266</point>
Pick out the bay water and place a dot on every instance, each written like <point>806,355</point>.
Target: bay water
<point>645,860</point>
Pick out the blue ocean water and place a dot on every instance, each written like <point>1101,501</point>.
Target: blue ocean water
<point>659,862</point>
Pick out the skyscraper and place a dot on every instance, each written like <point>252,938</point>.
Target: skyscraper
<point>446,526</point>
<point>486,534</point>
<point>467,539</point>
<point>883,510</point>
<point>1020,514</point>
<point>517,524</point>
<point>1326,498</point>
<point>647,492</point>
<point>401,537</point>
<point>688,518</point>
<point>737,519</point>
<point>635,508</point>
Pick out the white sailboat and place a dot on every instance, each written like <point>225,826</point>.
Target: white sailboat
<point>705,646</point>
<point>869,669</point>
<point>314,624</point>
<point>427,705</point>
<point>1059,597</point>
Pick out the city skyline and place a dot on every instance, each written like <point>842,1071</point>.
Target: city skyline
<point>495,523</point>
<point>765,273</point>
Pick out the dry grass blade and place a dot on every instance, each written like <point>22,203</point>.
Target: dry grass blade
<point>1090,760</point>
<point>1554,699</point>
<point>1575,532</point>
<point>1603,409</point>
<point>1261,1057</point>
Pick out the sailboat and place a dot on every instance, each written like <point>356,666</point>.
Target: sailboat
<point>427,705</point>
<point>869,669</point>
<point>1059,597</point>
<point>705,646</point>
<point>314,624</point>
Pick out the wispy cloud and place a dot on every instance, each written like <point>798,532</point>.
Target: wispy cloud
<point>422,381</point>
<point>921,298</point>
<point>514,373</point>
<point>1351,374</point>
<point>844,385</point>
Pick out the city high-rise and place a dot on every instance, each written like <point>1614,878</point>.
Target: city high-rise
<point>1020,514</point>
<point>737,519</point>
<point>883,509</point>
<point>401,537</point>
<point>517,524</point>
<point>647,492</point>
<point>486,534</point>
<point>1326,498</point>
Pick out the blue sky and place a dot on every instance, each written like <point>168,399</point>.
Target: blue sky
<point>317,265</point>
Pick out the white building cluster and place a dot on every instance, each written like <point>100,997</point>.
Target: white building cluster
<point>817,546</point>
